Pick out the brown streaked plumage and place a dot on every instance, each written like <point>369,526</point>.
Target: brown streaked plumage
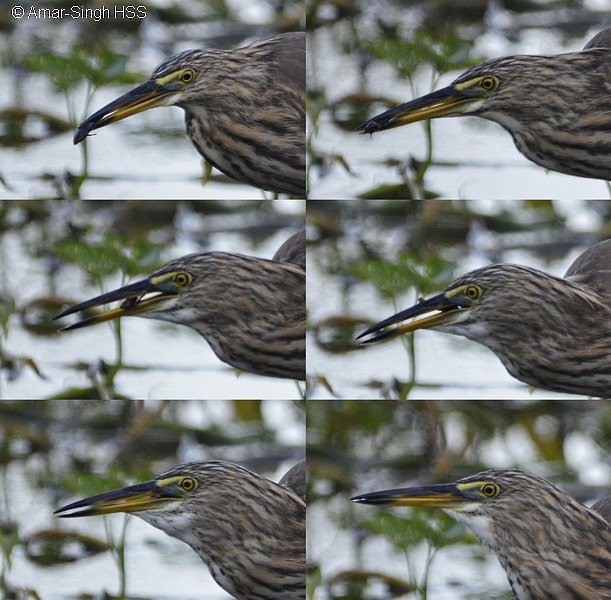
<point>293,250</point>
<point>248,530</point>
<point>244,109</point>
<point>549,332</point>
<point>603,507</point>
<point>551,546</point>
<point>556,108</point>
<point>295,479</point>
<point>250,310</point>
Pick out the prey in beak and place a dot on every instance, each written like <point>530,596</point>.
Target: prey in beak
<point>163,91</point>
<point>447,307</point>
<point>150,495</point>
<point>137,298</point>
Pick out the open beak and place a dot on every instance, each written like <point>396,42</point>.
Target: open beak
<point>445,495</point>
<point>435,311</point>
<point>446,102</point>
<point>140,297</point>
<point>149,495</point>
<point>148,95</point>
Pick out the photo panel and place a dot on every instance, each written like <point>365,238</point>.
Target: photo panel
<point>458,299</point>
<point>220,284</point>
<point>472,100</point>
<point>213,480</point>
<point>402,493</point>
<point>228,79</point>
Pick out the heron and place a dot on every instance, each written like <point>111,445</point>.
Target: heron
<point>250,310</point>
<point>248,530</point>
<point>549,332</point>
<point>244,109</point>
<point>556,108</point>
<point>550,545</point>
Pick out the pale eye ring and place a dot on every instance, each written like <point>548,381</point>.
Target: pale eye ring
<point>188,484</point>
<point>489,83</point>
<point>490,490</point>
<point>473,292</point>
<point>187,76</point>
<point>182,279</point>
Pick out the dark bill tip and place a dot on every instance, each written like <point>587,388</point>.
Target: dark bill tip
<point>388,119</point>
<point>85,512</point>
<point>439,303</point>
<point>383,335</point>
<point>392,320</point>
<point>79,324</point>
<point>444,495</point>
<point>82,132</point>
<point>85,504</point>
<point>143,97</point>
<point>372,498</point>
<point>366,128</point>
<point>69,311</point>
<point>377,123</point>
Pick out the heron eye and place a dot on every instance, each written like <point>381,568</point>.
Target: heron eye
<point>182,279</point>
<point>489,83</point>
<point>188,484</point>
<point>473,292</point>
<point>490,490</point>
<point>187,76</point>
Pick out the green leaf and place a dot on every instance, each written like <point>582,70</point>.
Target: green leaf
<point>69,71</point>
<point>110,256</point>
<point>407,56</point>
<point>392,279</point>
<point>405,532</point>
